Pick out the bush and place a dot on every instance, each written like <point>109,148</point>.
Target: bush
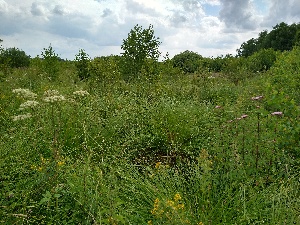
<point>187,61</point>
<point>14,58</point>
<point>262,60</point>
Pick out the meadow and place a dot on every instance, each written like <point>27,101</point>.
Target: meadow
<point>201,148</point>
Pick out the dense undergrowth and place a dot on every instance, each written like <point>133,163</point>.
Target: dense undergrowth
<point>178,149</point>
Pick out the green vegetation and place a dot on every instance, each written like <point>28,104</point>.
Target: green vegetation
<point>219,145</point>
<point>282,38</point>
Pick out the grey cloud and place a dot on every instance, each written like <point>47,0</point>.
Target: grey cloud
<point>69,26</point>
<point>37,10</point>
<point>58,10</point>
<point>106,12</point>
<point>135,7</point>
<point>178,19</point>
<point>295,9</point>
<point>192,5</point>
<point>237,14</point>
<point>287,11</point>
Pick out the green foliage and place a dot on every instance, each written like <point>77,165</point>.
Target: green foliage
<point>50,62</point>
<point>187,61</point>
<point>105,69</point>
<point>183,149</point>
<point>262,60</point>
<point>14,58</point>
<point>140,49</point>
<point>82,60</point>
<point>282,38</point>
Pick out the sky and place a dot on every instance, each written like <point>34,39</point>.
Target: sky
<point>209,27</point>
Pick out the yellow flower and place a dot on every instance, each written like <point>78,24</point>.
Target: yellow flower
<point>157,165</point>
<point>177,197</point>
<point>150,222</point>
<point>155,206</point>
<point>170,203</point>
<point>60,163</point>
<point>200,223</point>
<point>180,206</point>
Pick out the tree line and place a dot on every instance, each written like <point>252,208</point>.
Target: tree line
<point>141,53</point>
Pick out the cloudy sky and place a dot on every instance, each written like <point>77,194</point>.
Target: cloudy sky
<point>209,27</point>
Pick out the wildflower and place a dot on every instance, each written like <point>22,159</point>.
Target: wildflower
<point>28,104</point>
<point>150,222</point>
<point>25,93</point>
<point>155,206</point>
<point>180,206</point>
<point>257,98</point>
<point>200,223</point>
<point>277,114</point>
<point>54,98</point>
<point>60,163</point>
<point>157,165</point>
<point>170,203</point>
<point>177,197</point>
<point>21,117</point>
<point>49,93</point>
<point>81,93</point>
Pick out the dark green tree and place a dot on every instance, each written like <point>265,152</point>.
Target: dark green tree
<point>82,60</point>
<point>282,38</point>
<point>50,62</point>
<point>187,61</point>
<point>140,51</point>
<point>14,58</point>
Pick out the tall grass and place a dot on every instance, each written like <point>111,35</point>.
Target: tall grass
<point>177,150</point>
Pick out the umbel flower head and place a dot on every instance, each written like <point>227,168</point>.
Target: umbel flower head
<point>25,93</point>
<point>80,93</point>
<point>28,105</point>
<point>21,117</point>
<point>53,96</point>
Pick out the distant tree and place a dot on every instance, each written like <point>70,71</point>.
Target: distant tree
<point>50,62</point>
<point>82,60</point>
<point>140,49</point>
<point>248,48</point>
<point>187,61</point>
<point>14,58</point>
<point>282,38</point>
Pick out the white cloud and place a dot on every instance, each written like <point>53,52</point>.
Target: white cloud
<point>99,26</point>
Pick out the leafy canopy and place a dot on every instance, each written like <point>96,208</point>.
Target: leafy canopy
<point>140,47</point>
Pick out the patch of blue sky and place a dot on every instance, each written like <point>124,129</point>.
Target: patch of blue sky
<point>212,10</point>
<point>262,6</point>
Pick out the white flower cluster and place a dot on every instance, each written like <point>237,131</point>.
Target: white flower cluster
<point>53,96</point>
<point>49,93</point>
<point>28,105</point>
<point>21,117</point>
<point>81,93</point>
<point>25,93</point>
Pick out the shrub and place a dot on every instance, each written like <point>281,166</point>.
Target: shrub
<point>187,61</point>
<point>14,58</point>
<point>262,60</point>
